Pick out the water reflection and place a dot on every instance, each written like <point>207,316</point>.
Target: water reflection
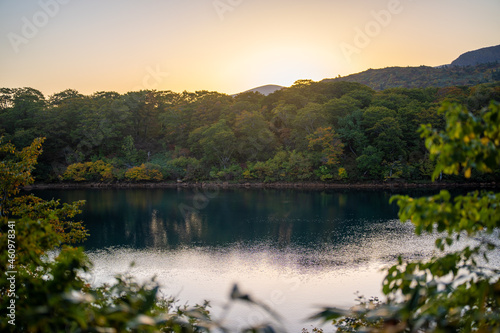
<point>310,247</point>
<point>170,218</point>
<point>326,228</point>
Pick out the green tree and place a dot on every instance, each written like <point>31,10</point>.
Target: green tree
<point>299,167</point>
<point>307,120</point>
<point>26,104</point>
<point>176,124</point>
<point>310,117</point>
<point>255,140</point>
<point>210,107</point>
<point>340,107</point>
<point>144,109</point>
<point>388,136</point>
<point>393,99</point>
<point>60,122</point>
<point>373,114</point>
<point>128,150</point>
<point>370,162</point>
<point>186,168</point>
<point>217,143</point>
<point>352,133</point>
<point>281,122</point>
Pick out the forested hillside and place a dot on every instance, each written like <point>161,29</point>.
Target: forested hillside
<point>424,76</point>
<point>313,131</point>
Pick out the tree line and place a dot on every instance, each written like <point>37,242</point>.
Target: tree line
<point>311,131</point>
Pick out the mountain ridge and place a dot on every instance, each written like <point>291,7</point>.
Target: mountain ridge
<point>425,76</point>
<point>480,56</point>
<point>470,68</point>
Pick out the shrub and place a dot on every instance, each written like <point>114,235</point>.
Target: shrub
<point>89,171</point>
<point>233,172</point>
<point>342,174</point>
<point>143,173</point>
<point>284,166</point>
<point>187,168</point>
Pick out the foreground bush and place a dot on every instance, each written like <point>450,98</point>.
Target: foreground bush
<point>457,290</point>
<point>42,289</point>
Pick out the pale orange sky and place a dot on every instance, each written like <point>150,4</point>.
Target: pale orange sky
<point>228,45</point>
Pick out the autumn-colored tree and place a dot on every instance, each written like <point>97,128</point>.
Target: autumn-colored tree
<point>326,146</point>
<point>16,172</point>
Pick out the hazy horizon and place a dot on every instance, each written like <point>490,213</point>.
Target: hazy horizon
<point>228,46</point>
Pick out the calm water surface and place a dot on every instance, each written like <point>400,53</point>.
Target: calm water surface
<point>292,249</point>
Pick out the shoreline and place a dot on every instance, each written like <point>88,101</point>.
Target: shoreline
<point>259,185</point>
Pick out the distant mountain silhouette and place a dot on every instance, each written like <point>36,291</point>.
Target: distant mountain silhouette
<point>264,90</point>
<point>485,55</point>
<point>471,68</point>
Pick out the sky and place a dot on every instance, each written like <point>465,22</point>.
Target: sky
<point>228,45</point>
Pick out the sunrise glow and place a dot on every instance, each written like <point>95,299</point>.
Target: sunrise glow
<point>228,46</point>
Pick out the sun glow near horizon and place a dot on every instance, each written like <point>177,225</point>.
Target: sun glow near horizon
<point>281,65</point>
<point>53,45</point>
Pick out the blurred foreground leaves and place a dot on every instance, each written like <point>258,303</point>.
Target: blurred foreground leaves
<point>457,290</point>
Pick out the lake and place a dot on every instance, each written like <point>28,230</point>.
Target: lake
<point>294,250</point>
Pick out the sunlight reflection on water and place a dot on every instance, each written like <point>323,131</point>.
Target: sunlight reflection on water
<point>292,279</point>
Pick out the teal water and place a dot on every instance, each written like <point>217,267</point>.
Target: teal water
<point>292,249</point>
<point>169,218</point>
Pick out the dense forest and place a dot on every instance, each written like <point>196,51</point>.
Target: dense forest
<point>312,131</point>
